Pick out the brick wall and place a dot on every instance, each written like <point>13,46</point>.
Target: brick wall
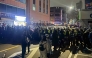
<point>13,3</point>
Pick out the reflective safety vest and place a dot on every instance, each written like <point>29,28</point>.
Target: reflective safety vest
<point>48,31</point>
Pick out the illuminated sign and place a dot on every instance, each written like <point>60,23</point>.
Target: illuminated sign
<point>19,23</point>
<point>7,15</point>
<point>20,18</point>
<point>88,4</point>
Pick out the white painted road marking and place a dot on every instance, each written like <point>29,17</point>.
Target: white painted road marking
<point>60,54</point>
<point>33,52</point>
<point>75,56</point>
<point>85,55</point>
<point>70,55</point>
<point>17,53</point>
<point>8,49</point>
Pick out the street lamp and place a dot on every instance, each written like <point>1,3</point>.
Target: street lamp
<point>71,7</point>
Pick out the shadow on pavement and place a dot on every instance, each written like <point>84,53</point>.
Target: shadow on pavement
<point>76,49</point>
<point>55,54</point>
<point>19,56</point>
<point>86,51</point>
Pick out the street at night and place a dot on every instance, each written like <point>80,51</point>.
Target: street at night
<point>9,49</point>
<point>15,50</point>
<point>45,28</point>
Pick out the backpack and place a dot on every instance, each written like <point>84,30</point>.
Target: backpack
<point>41,47</point>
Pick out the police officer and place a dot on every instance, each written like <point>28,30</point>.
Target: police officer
<point>28,44</point>
<point>72,36</point>
<point>61,37</point>
<point>67,37</point>
<point>55,39</point>
<point>23,44</point>
<point>90,37</point>
<point>86,40</point>
<point>28,39</point>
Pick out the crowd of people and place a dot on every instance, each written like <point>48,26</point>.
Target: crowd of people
<point>47,37</point>
<point>60,38</point>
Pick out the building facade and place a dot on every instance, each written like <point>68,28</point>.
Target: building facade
<point>39,10</point>
<point>58,15</point>
<point>85,13</point>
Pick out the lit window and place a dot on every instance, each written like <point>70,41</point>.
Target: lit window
<point>34,6</point>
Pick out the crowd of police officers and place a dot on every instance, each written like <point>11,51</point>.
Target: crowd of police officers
<point>60,37</point>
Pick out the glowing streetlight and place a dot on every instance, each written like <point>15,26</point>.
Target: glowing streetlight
<point>71,7</point>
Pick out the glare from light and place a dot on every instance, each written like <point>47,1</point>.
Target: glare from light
<point>18,23</point>
<point>15,23</point>
<point>20,18</point>
<point>33,7</point>
<point>71,7</point>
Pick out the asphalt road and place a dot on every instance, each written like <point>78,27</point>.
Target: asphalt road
<point>67,53</point>
<point>9,49</point>
<point>72,52</point>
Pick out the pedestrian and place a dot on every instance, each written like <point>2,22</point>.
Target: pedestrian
<point>42,48</point>
<point>49,44</point>
<point>23,48</point>
<point>24,44</point>
<point>72,36</point>
<point>28,40</point>
<point>28,44</point>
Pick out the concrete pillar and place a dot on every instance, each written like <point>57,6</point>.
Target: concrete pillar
<point>28,12</point>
